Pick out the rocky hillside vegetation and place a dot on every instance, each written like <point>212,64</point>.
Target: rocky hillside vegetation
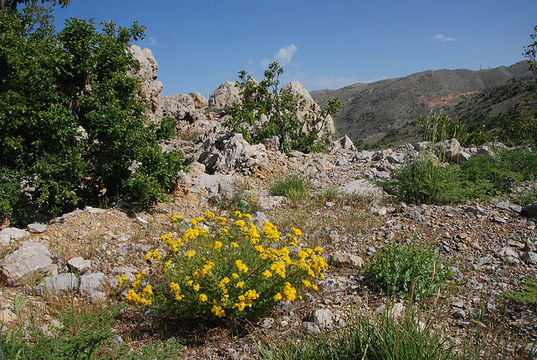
<point>427,249</point>
<point>257,250</point>
<point>379,113</point>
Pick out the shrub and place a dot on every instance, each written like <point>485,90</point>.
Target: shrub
<point>72,122</point>
<point>370,339</point>
<point>414,269</point>
<point>292,186</point>
<point>266,111</point>
<point>425,181</point>
<point>217,267</point>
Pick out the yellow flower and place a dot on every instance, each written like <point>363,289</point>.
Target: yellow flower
<point>218,311</point>
<point>190,253</point>
<point>240,284</point>
<point>279,268</point>
<point>267,274</point>
<point>174,286</point>
<point>234,244</point>
<point>237,214</point>
<point>239,223</point>
<point>189,283</point>
<point>277,297</point>
<point>176,218</point>
<point>203,297</point>
<point>241,266</point>
<point>318,250</point>
<point>148,290</point>
<point>235,276</point>
<point>196,287</point>
<point>297,231</point>
<point>209,214</point>
<point>122,279</point>
<point>217,245</point>
<point>289,291</point>
<point>306,283</point>
<point>193,222</point>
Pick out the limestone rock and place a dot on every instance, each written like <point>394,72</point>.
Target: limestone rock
<point>362,187</point>
<point>323,318</point>
<point>345,143</point>
<point>37,228</point>
<point>393,311</point>
<point>226,95</point>
<point>311,328</point>
<point>199,101</point>
<point>12,234</point>
<point>231,153</point>
<point>343,258</point>
<point>28,259</point>
<point>449,148</point>
<point>53,285</point>
<point>147,73</point>
<point>78,265</point>
<point>7,317</point>
<point>91,283</point>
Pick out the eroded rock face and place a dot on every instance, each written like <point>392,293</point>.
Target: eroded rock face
<point>147,73</point>
<point>311,110</point>
<point>230,152</point>
<point>226,95</point>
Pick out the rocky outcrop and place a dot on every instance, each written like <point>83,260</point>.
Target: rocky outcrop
<point>178,106</point>
<point>310,110</point>
<point>147,73</point>
<point>226,95</point>
<point>230,153</point>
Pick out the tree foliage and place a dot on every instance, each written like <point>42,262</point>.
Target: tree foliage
<point>530,51</point>
<point>265,111</point>
<point>72,126</point>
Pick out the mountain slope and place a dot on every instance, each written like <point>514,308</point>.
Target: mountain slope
<point>370,111</point>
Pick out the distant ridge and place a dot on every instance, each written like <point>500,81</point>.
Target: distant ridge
<point>371,111</point>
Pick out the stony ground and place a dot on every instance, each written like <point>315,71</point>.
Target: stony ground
<point>490,248</point>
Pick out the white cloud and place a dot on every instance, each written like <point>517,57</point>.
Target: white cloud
<point>283,56</point>
<point>444,38</point>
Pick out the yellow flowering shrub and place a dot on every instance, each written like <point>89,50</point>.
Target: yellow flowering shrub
<point>212,266</point>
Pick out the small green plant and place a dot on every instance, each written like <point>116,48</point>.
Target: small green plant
<point>439,127</point>
<point>370,339</point>
<point>81,336</point>
<point>292,186</point>
<point>415,270</point>
<point>218,267</point>
<point>527,295</point>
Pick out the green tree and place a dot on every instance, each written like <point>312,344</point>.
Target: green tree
<point>530,51</point>
<point>266,111</point>
<point>12,4</point>
<point>72,122</point>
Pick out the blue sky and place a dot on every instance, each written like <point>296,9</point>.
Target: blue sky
<point>199,44</point>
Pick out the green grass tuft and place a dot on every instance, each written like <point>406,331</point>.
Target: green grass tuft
<point>414,269</point>
<point>380,338</point>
